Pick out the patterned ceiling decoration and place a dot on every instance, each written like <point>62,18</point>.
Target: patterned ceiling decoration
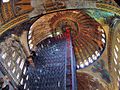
<point>49,5</point>
<point>22,6</point>
<point>99,14</point>
<point>89,39</point>
<point>88,36</point>
<point>12,9</point>
<point>88,82</point>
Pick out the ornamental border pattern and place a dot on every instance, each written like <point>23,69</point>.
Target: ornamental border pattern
<point>109,8</point>
<point>13,23</point>
<point>22,18</point>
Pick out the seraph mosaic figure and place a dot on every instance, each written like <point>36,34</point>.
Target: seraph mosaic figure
<point>100,68</point>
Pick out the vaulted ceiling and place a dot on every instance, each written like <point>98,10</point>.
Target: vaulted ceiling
<point>91,26</point>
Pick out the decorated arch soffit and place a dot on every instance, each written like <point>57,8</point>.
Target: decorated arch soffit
<point>99,7</point>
